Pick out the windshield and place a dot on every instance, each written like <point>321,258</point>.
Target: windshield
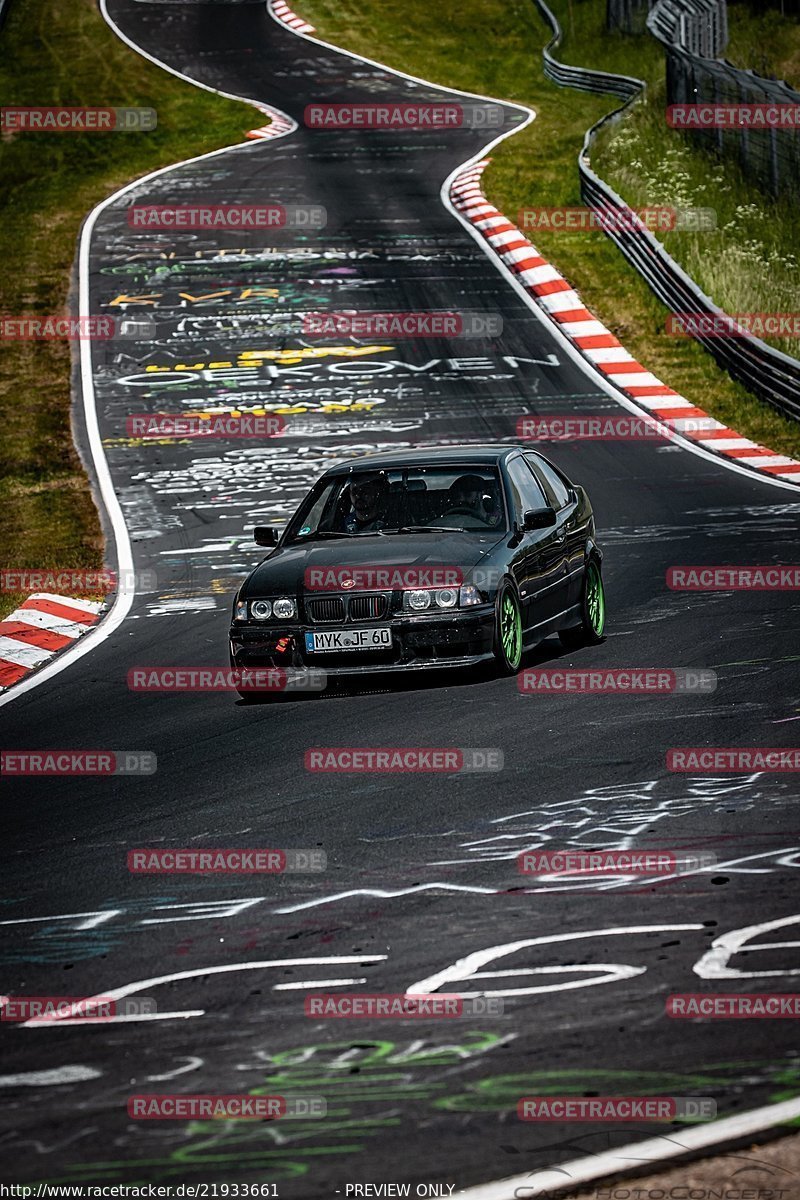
<point>466,499</point>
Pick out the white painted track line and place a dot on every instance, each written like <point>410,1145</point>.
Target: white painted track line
<point>655,1150</point>
<point>636,1156</point>
<point>124,553</point>
<point>462,174</point>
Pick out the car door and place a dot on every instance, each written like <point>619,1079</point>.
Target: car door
<point>570,530</point>
<point>539,560</point>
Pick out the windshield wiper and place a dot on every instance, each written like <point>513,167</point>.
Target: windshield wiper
<point>426,529</point>
<point>318,535</point>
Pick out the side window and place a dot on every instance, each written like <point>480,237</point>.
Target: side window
<point>554,486</point>
<point>525,490</point>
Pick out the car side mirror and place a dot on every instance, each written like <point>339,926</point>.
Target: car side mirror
<point>265,535</point>
<point>539,518</point>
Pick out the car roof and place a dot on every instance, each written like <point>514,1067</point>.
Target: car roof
<point>484,454</point>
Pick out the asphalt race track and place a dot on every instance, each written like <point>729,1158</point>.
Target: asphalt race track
<point>421,870</point>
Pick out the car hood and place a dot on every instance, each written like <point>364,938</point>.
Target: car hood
<point>285,571</point>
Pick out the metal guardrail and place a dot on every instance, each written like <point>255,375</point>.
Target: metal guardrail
<point>694,35</point>
<point>582,78</point>
<point>699,26</point>
<point>768,373</point>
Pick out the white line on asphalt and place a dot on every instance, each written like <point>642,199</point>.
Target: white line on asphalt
<point>730,1127</point>
<point>49,1078</point>
<point>314,983</point>
<point>571,351</point>
<point>384,894</point>
<point>124,597</point>
<point>129,989</point>
<point>636,1155</point>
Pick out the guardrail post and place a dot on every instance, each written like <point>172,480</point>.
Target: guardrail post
<point>773,161</point>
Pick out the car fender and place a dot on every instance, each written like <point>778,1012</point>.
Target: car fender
<point>506,578</point>
<point>592,550</point>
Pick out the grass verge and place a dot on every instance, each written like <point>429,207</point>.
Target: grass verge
<point>748,264</point>
<point>494,47</point>
<point>57,53</point>
<point>765,41</point>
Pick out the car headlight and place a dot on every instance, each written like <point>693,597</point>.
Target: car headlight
<point>284,609</point>
<point>469,595</point>
<point>261,610</point>
<point>417,601</point>
<point>240,610</point>
<point>421,600</point>
<point>447,597</point>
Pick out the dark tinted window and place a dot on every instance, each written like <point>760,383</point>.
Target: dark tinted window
<point>526,492</point>
<point>557,491</point>
<point>462,497</point>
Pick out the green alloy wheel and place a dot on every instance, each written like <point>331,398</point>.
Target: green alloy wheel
<point>593,611</point>
<point>508,635</point>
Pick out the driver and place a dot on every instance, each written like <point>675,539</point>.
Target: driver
<point>368,496</point>
<point>473,494</point>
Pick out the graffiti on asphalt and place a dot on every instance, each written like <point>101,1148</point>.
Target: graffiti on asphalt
<point>367,1085</point>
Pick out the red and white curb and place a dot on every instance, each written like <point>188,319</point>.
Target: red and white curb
<point>279,124</point>
<point>597,344</point>
<point>282,11</point>
<point>38,629</point>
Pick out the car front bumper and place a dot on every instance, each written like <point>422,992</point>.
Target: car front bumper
<point>456,638</point>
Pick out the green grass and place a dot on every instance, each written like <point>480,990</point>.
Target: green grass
<point>494,47</point>
<point>749,263</point>
<point>766,42</point>
<point>61,52</point>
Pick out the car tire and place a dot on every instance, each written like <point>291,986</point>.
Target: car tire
<point>591,630</point>
<point>507,647</point>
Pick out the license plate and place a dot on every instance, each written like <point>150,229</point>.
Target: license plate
<point>349,639</point>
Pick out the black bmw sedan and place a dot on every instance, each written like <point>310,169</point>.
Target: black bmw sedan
<point>424,558</point>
